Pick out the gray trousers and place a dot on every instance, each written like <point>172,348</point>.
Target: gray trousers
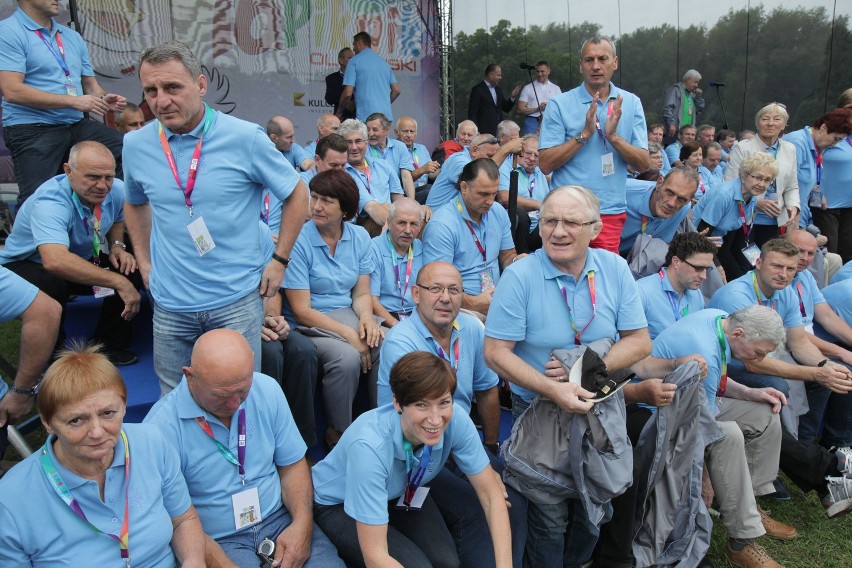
<point>744,463</point>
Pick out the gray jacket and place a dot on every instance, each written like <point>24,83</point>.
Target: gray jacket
<point>673,106</point>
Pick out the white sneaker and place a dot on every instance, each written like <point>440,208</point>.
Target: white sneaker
<point>844,460</point>
<point>839,499</point>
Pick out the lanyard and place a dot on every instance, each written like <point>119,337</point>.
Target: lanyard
<point>773,187</point>
<point>413,152</point>
<point>817,158</point>
<point>223,449</point>
<point>367,172</point>
<point>644,223</point>
<point>746,225</point>
<point>723,348</point>
<point>801,300</point>
<point>64,493</point>
<point>591,280</point>
<point>96,225</point>
<point>757,293</point>
<point>264,215</point>
<point>377,152</point>
<point>60,57</point>
<point>402,289</point>
<point>472,232</point>
<point>598,122</point>
<point>672,296</point>
<point>701,184</point>
<point>530,180</point>
<point>456,348</point>
<point>193,165</point>
<point>415,478</point>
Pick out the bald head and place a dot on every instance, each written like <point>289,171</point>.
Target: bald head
<point>439,267</point>
<point>282,133</point>
<point>483,146</point>
<point>89,149</point>
<point>327,124</point>
<point>91,171</point>
<point>220,376</point>
<point>807,245</point>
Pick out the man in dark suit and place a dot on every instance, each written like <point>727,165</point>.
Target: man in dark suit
<point>334,84</point>
<point>487,104</point>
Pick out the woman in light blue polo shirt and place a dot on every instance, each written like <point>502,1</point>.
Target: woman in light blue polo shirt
<point>327,292</point>
<point>365,488</point>
<point>80,499</point>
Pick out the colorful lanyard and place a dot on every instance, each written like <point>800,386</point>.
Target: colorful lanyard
<point>64,493</point>
<point>817,158</point>
<point>402,289</point>
<point>591,280</point>
<point>415,478</point>
<point>723,347</point>
<point>530,180</point>
<point>701,184</point>
<point>757,293</point>
<point>672,296</point>
<point>746,225</point>
<point>193,165</point>
<point>377,153</point>
<point>644,223</point>
<point>367,172</point>
<point>223,449</point>
<point>60,57</point>
<point>773,187</point>
<point>415,161</point>
<point>801,299</point>
<point>456,348</point>
<point>472,232</point>
<point>598,122</point>
<point>96,225</point>
<point>264,215</point>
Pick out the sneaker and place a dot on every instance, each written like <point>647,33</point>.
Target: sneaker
<point>752,556</point>
<point>121,357</point>
<point>844,460</point>
<point>776,529</point>
<point>781,493</point>
<point>839,499</point>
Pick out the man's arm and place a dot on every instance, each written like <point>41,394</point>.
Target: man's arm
<point>345,97</point>
<point>382,312</point>
<point>378,212</point>
<point>407,182</point>
<point>138,221</point>
<point>508,256</point>
<point>634,345</point>
<point>553,158</point>
<point>488,407</point>
<point>636,156</point>
<point>188,539</point>
<point>293,545</point>
<point>373,540</point>
<point>394,92</point>
<point>833,323</point>
<point>515,146</point>
<point>478,303</point>
<point>17,92</point>
<point>489,490</point>
<point>118,256</point>
<point>523,202</point>
<point>292,220</point>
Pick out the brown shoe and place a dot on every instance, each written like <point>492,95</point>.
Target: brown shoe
<point>776,529</point>
<point>752,556</point>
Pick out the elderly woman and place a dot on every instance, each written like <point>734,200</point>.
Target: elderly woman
<point>729,212</point>
<point>655,151</point>
<point>778,209</point>
<point>327,293</point>
<point>834,217</point>
<point>80,499</point>
<point>364,489</point>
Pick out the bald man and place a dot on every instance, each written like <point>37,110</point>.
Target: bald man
<point>326,124</point>
<point>130,119</point>
<point>242,457</point>
<point>283,134</point>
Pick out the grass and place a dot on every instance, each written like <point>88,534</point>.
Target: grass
<point>822,542</point>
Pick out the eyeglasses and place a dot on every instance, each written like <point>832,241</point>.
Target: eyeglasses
<point>439,290</point>
<point>552,223</point>
<point>531,155</point>
<point>700,268</point>
<point>492,140</point>
<point>762,179</point>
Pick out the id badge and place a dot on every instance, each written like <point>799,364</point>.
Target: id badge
<point>402,315</point>
<point>486,281</point>
<point>416,501</point>
<point>752,253</point>
<point>607,164</point>
<point>815,198</point>
<point>810,328</point>
<point>100,292</point>
<point>534,215</point>
<point>71,89</point>
<point>246,506</point>
<point>201,237</point>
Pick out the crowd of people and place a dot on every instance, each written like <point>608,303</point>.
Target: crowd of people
<point>674,311</point>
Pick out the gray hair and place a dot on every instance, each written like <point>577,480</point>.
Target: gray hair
<point>506,127</point>
<point>171,51</point>
<point>758,161</point>
<point>585,195</point>
<point>772,107</point>
<point>713,146</point>
<point>380,116</point>
<point>597,40</point>
<point>402,203</point>
<point>351,125</point>
<point>692,74</point>
<point>324,118</point>
<point>654,148</point>
<point>530,137</point>
<point>690,175</point>
<point>475,127</point>
<point>759,323</point>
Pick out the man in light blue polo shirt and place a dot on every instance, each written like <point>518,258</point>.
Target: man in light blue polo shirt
<point>397,257</point>
<point>835,221</point>
<point>372,80</point>
<point>326,124</point>
<point>564,294</point>
<point>658,210</point>
<point>392,151</point>
<point>591,133</point>
<point>425,169</point>
<point>200,248</point>
<point>48,84</point>
<point>472,232</point>
<point>283,134</point>
<point>533,186</point>
<point>242,457</point>
<point>674,293</point>
<point>711,170</point>
<point>686,133</point>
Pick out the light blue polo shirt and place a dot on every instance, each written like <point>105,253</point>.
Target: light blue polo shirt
<point>528,307</point>
<point>367,468</point>
<point>667,165</point>
<point>661,303</point>
<point>238,160</point>
<point>696,335</point>
<point>448,238</point>
<point>270,209</point>
<point>720,208</point>
<point>383,281</point>
<point>530,185</point>
<point>806,154</point>
<point>296,155</point>
<point>311,148</point>
<point>329,279</point>
<point>50,217</point>
<point>672,151</point>
<point>445,188</point>
<point>837,296</point>
<point>739,294</point>
<point>272,440</point>
<point>395,153</point>
<point>22,51</point>
<point>844,273</point>
<point>382,182</point>
<point>837,174</point>
<point>639,207</point>
<point>419,155</point>
<point>17,294</point>
<point>565,116</point>
<point>807,295</point>
<point>709,179</point>
<point>372,77</point>
<point>37,528</point>
<point>411,334</point>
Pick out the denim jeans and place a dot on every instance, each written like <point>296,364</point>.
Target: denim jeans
<point>175,334</point>
<point>830,415</point>
<point>241,547</point>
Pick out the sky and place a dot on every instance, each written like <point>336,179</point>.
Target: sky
<point>470,15</point>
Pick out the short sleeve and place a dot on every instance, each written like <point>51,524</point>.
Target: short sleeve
<point>366,498</point>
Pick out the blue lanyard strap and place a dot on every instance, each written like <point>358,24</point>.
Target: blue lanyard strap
<point>415,478</point>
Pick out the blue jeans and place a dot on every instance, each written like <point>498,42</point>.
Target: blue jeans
<point>241,547</point>
<point>175,334</point>
<point>828,408</point>
<point>530,125</point>
<point>560,535</point>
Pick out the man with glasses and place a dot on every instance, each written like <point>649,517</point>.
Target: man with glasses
<point>533,185</point>
<point>658,210</point>
<point>562,295</point>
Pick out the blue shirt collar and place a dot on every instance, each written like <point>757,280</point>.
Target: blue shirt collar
<point>32,25</point>
<point>551,272</point>
<point>586,98</point>
<point>71,479</point>
<point>195,132</point>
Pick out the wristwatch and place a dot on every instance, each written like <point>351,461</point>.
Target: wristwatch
<point>26,392</point>
<point>822,363</point>
<point>118,243</point>
<point>581,139</point>
<point>281,259</point>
